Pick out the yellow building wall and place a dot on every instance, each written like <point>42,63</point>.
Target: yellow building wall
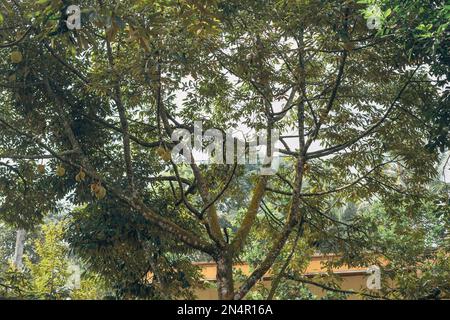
<point>352,278</point>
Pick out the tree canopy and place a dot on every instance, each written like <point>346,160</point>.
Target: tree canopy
<point>87,116</point>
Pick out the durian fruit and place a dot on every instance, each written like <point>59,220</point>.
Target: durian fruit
<point>164,154</point>
<point>349,46</point>
<point>98,190</point>
<point>323,115</point>
<point>306,167</point>
<point>60,171</point>
<point>101,194</point>
<point>95,187</point>
<point>41,168</point>
<point>16,57</point>
<point>80,176</point>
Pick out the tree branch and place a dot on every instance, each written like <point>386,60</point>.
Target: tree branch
<point>331,150</point>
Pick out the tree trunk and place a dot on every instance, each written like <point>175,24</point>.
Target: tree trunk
<point>225,286</point>
<point>18,254</point>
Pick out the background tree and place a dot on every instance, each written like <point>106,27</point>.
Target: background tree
<point>47,273</point>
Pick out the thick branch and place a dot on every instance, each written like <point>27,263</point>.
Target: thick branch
<point>213,219</point>
<point>117,97</point>
<point>250,217</point>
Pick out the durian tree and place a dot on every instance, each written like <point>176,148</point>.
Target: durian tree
<point>87,117</point>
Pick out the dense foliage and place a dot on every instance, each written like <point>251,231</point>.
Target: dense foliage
<point>86,119</point>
